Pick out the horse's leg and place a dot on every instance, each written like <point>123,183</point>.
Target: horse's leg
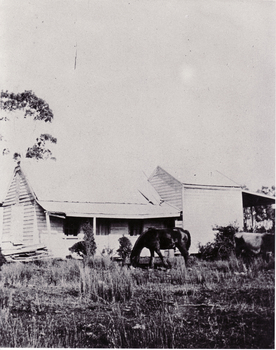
<point>162,258</point>
<point>183,252</point>
<point>151,262</point>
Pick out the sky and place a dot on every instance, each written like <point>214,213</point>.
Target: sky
<point>136,84</point>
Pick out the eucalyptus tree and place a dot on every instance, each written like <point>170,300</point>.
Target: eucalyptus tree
<point>32,107</point>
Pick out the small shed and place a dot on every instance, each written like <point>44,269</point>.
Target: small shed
<point>46,206</point>
<point>206,200</point>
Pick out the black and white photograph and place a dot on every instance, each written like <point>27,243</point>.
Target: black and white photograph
<point>137,174</point>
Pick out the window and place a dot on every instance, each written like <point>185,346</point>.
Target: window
<point>102,227</point>
<point>72,226</point>
<point>135,227</point>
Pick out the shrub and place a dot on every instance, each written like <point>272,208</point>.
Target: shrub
<point>223,245</point>
<point>89,240</point>
<point>125,248</point>
<point>2,259</point>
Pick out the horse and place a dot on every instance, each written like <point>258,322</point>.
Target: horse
<point>155,239</point>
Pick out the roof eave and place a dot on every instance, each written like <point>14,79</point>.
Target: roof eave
<point>251,199</point>
<point>190,185</point>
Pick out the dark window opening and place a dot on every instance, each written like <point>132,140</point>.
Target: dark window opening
<point>135,227</point>
<point>102,227</point>
<point>71,226</point>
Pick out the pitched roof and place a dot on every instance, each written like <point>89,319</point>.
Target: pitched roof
<point>199,176</point>
<point>98,190</point>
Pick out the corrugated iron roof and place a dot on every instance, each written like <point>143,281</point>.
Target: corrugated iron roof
<point>98,190</point>
<point>111,210</point>
<point>199,176</point>
<point>64,182</point>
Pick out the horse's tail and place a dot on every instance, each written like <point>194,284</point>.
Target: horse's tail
<point>188,235</point>
<point>189,239</point>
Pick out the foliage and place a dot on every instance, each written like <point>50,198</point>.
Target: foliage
<point>34,107</point>
<point>89,240</point>
<point>39,150</point>
<point>223,245</point>
<point>125,248</point>
<point>267,191</point>
<point>265,212</point>
<point>2,258</point>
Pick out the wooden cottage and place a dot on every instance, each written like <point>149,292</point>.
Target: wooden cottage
<point>206,200</point>
<point>45,208</point>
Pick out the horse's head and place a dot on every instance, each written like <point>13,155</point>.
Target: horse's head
<point>134,260</point>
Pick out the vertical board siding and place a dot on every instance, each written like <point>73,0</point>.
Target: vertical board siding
<point>168,188</point>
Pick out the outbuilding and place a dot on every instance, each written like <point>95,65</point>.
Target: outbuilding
<point>206,200</point>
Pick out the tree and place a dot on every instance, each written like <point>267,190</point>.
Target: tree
<point>33,107</point>
<point>39,150</point>
<point>27,101</point>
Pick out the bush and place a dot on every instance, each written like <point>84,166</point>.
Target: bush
<point>223,245</point>
<point>89,240</point>
<point>125,248</point>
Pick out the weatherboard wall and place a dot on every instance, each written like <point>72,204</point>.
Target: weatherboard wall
<point>18,212</point>
<point>25,222</point>
<point>204,208</point>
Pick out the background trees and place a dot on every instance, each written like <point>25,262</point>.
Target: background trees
<point>265,214</point>
<point>261,218</point>
<point>32,107</point>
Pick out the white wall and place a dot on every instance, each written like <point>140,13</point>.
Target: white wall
<point>59,244</point>
<point>205,208</point>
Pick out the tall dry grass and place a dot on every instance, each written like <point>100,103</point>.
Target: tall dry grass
<point>114,306</point>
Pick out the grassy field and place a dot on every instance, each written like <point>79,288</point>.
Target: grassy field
<point>210,305</point>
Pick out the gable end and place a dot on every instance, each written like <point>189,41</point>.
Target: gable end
<point>19,190</point>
